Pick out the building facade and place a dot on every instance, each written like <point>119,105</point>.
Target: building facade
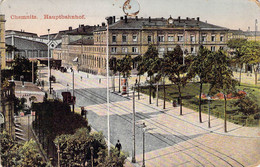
<point>132,36</point>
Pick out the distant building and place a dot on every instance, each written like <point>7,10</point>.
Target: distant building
<point>133,36</point>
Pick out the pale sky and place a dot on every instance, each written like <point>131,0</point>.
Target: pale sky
<point>233,14</point>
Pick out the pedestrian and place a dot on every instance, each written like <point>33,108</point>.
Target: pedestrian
<point>118,146</point>
<point>82,111</point>
<point>99,80</point>
<point>81,78</point>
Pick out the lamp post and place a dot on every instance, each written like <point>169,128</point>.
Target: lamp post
<point>209,98</point>
<point>107,67</point>
<point>92,156</point>
<point>73,105</point>
<point>133,156</point>
<point>144,128</point>
<point>49,69</point>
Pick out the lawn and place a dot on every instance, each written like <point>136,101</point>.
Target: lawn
<point>190,100</point>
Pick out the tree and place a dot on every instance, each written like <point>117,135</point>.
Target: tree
<point>149,64</point>
<point>251,51</point>
<point>236,44</point>
<point>221,78</point>
<point>21,66</point>
<point>247,104</point>
<point>15,154</point>
<point>200,66</point>
<point>177,71</point>
<point>82,146</point>
<point>126,67</point>
<point>138,60</point>
<point>113,68</point>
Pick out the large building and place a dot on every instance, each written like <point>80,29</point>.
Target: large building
<point>2,40</point>
<point>132,36</point>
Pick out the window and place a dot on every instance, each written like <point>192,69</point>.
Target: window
<point>213,38</point>
<point>161,50</point>
<point>204,38</point>
<point>170,49</point>
<point>221,48</point>
<point>170,38</point>
<point>114,38</point>
<point>134,38</point>
<point>124,50</point>
<point>192,49</point>
<point>192,38</point>
<point>134,49</point>
<point>113,49</point>
<point>180,38</point>
<point>221,38</point>
<point>213,48</point>
<point>149,38</point>
<point>124,38</point>
<point>161,38</point>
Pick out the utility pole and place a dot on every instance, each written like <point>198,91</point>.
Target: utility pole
<point>255,28</point>
<point>107,66</point>
<point>32,72</point>
<point>73,94</point>
<point>133,154</point>
<point>49,68</point>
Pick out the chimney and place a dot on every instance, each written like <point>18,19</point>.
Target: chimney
<point>136,17</point>
<point>114,19</point>
<point>121,18</point>
<point>149,18</point>
<point>70,28</point>
<point>179,19</point>
<point>198,18</point>
<point>125,18</point>
<point>103,24</point>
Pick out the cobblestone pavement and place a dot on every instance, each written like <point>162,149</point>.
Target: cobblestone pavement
<point>170,139</point>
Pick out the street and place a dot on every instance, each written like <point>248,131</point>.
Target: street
<point>170,139</point>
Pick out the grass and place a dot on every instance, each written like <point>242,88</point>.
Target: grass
<point>190,100</point>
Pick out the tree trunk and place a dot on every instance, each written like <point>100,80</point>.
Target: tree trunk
<point>114,80</point>
<point>139,78</point>
<point>150,92</point>
<point>241,66</point>
<point>255,71</point>
<point>164,93</point>
<point>225,113</point>
<point>180,99</point>
<point>200,118</point>
<point>119,83</point>
<point>157,93</point>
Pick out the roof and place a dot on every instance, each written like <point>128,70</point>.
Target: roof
<point>252,33</point>
<point>141,23</point>
<point>22,32</point>
<point>82,42</point>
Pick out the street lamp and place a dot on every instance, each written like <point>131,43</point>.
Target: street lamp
<point>144,128</point>
<point>92,156</point>
<point>209,98</point>
<point>133,156</point>
<point>73,105</point>
<point>49,69</point>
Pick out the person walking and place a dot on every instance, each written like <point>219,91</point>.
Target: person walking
<point>118,146</point>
